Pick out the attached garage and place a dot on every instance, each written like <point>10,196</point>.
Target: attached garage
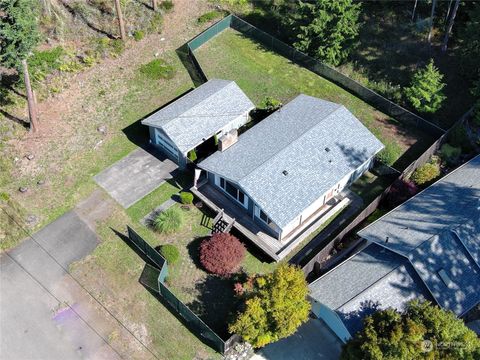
<point>210,111</point>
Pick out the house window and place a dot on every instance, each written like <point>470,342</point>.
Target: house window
<point>234,192</point>
<point>231,189</point>
<point>265,218</point>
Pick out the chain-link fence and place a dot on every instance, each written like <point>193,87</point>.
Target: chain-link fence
<point>193,322</point>
<point>369,96</point>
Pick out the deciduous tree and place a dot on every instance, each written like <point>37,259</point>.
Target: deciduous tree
<point>425,91</point>
<point>275,306</point>
<point>19,35</point>
<point>389,334</point>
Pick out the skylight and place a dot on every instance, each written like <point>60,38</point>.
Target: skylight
<point>445,278</point>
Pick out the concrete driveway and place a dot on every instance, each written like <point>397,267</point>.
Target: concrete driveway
<point>134,176</point>
<point>312,341</point>
<point>35,289</point>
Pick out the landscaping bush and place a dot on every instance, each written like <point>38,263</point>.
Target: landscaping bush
<point>426,173</point>
<point>166,5</point>
<point>186,197</point>
<point>390,154</point>
<point>209,16</point>
<point>270,104</point>
<point>450,154</point>
<point>138,35</point>
<point>170,253</point>
<point>42,63</point>
<point>401,191</point>
<point>192,155</point>
<point>168,221</point>
<point>157,69</point>
<point>222,254</point>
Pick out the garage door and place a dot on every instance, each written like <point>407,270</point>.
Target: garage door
<point>166,144</point>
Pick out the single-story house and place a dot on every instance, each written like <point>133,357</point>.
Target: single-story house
<point>211,110</point>
<point>427,248</point>
<point>284,170</point>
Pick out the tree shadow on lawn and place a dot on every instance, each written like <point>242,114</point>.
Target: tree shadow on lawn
<point>78,14</point>
<point>216,303</point>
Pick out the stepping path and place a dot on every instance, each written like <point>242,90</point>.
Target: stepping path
<point>148,219</point>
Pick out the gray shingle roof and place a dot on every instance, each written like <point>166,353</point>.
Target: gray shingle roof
<point>438,230</point>
<point>444,251</point>
<point>375,278</point>
<point>453,200</point>
<point>295,139</point>
<point>469,234</point>
<point>201,113</point>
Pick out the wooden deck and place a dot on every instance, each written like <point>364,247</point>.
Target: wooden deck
<point>217,201</point>
<point>273,247</point>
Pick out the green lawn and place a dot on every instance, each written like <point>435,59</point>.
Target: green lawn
<point>369,186</point>
<point>208,296</point>
<point>112,271</point>
<point>261,72</point>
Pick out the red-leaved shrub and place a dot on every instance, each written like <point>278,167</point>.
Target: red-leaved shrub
<point>221,254</point>
<point>401,191</point>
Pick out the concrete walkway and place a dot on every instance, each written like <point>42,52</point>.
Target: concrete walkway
<point>134,176</point>
<point>148,219</point>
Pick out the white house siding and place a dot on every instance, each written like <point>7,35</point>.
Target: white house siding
<point>236,124</point>
<point>317,204</point>
<point>332,320</point>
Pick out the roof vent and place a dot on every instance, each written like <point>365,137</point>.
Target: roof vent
<point>330,161</point>
<point>445,278</point>
<point>327,149</point>
<point>285,172</point>
<point>386,240</point>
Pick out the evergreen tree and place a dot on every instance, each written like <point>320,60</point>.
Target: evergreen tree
<point>422,331</point>
<point>425,91</point>
<point>470,42</point>
<point>275,306</point>
<point>19,35</point>
<point>476,96</point>
<point>325,29</point>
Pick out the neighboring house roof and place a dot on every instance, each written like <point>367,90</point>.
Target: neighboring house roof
<point>199,114</point>
<point>453,200</point>
<point>373,279</point>
<point>316,142</point>
<point>444,251</point>
<point>437,230</point>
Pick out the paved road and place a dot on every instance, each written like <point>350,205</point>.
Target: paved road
<point>312,341</point>
<point>36,322</point>
<point>134,176</point>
